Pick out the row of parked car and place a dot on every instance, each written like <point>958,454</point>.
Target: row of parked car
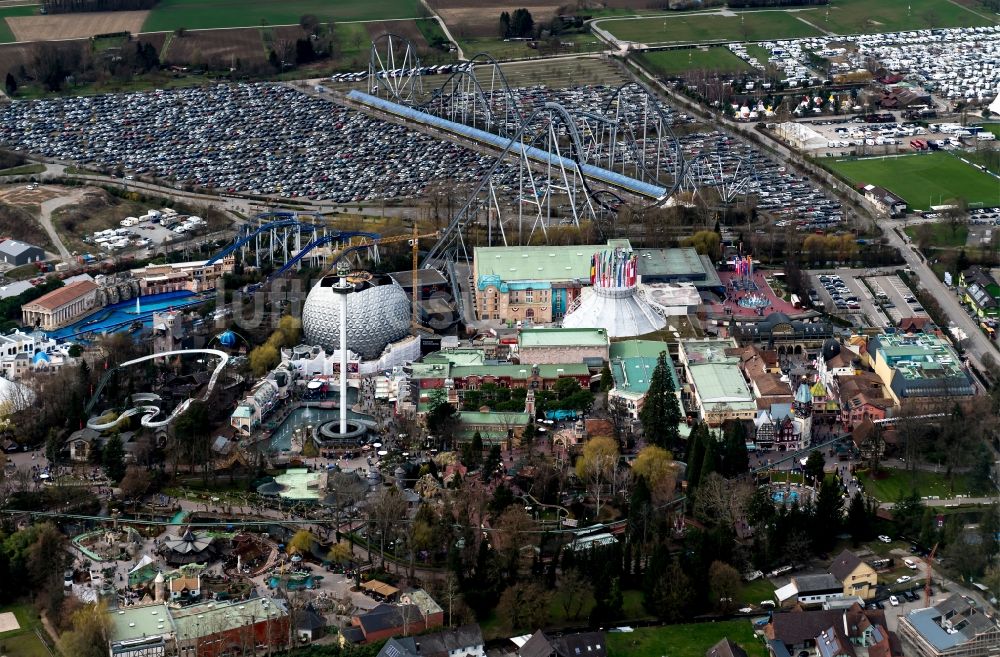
<point>262,139</point>
<point>840,294</point>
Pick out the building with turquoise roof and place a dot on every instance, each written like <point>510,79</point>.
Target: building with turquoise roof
<point>632,363</point>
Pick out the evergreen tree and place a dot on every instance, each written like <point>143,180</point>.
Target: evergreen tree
<point>607,381</point>
<point>522,25</point>
<point>10,84</point>
<point>860,518</point>
<point>829,514</point>
<point>814,466</point>
<point>113,456</point>
<point>710,462</point>
<point>699,435</point>
<point>504,25</point>
<point>661,412</point>
<point>735,460</point>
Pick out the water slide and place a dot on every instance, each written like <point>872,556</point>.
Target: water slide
<point>143,407</point>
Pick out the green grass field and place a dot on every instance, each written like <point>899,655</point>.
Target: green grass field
<point>701,28</point>
<point>23,170</point>
<point>506,50</point>
<point>23,642</point>
<point>6,36</point>
<point>899,483</point>
<point>690,640</point>
<point>842,17</point>
<point>204,14</point>
<point>922,180</point>
<point>863,16</point>
<point>755,591</point>
<point>675,62</point>
<point>942,235</point>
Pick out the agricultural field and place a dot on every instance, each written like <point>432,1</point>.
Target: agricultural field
<point>863,16</point>
<point>701,28</point>
<point>75,26</point>
<point>6,34</point>
<point>502,50</point>
<point>168,15</point>
<point>562,73</point>
<point>216,48</point>
<point>692,640</point>
<point>922,180</point>
<point>675,62</point>
<point>469,19</point>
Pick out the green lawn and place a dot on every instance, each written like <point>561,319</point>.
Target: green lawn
<point>755,591</point>
<point>992,127</point>
<point>842,17</point>
<point>896,484</point>
<point>691,640</point>
<point>863,16</point>
<point>942,234</point>
<point>504,50</point>
<point>23,170</point>
<point>23,642</point>
<point>922,180</point>
<point>169,15</point>
<point>676,62</point>
<point>6,36</point>
<point>701,28</point>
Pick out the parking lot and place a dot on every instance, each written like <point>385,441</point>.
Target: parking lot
<point>898,300</point>
<point>954,63</point>
<point>262,139</point>
<point>844,292</point>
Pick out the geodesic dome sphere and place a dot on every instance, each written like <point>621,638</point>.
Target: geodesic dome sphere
<point>378,313</point>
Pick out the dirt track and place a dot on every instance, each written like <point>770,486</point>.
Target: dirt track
<point>75,26</point>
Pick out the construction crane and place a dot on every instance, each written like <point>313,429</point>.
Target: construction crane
<point>414,241</point>
<point>929,560</point>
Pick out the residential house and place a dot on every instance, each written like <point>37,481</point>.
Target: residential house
<point>310,625</point>
<point>874,440</point>
<point>862,396</point>
<point>464,641</point>
<point>584,644</point>
<point>982,291</point>
<point>951,628</point>
<point>857,577</point>
<point>809,590</point>
<point>790,632</point>
<point>725,648</point>
<point>884,201</point>
<point>416,612</point>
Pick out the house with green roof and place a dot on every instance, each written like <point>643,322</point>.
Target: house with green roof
<point>632,363</point>
<point>716,388</point>
<point>471,372</point>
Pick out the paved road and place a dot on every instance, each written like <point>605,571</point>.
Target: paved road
<point>444,28</point>
<point>45,218</point>
<point>977,345</point>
